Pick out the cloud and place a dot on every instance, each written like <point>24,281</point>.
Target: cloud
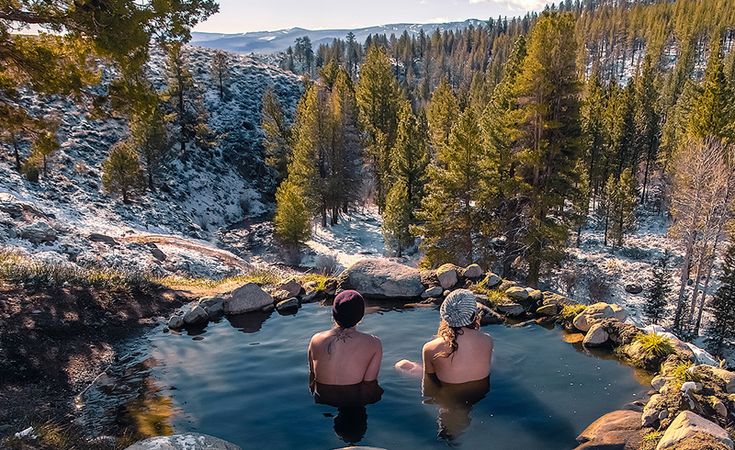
<point>519,5</point>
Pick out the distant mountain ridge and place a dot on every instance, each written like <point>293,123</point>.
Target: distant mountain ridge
<point>279,40</point>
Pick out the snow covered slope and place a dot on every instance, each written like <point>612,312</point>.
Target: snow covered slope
<point>194,199</point>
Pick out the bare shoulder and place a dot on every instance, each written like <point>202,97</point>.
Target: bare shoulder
<point>433,345</point>
<point>371,340</point>
<point>488,338</point>
<point>318,338</point>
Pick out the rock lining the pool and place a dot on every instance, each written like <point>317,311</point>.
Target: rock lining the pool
<point>683,383</point>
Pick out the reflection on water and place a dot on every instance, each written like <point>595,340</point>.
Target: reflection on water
<point>455,403</point>
<point>249,387</point>
<point>350,423</point>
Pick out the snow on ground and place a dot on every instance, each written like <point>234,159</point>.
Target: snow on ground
<point>357,236</point>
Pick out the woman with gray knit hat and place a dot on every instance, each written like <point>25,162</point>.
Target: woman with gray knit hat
<point>461,352</point>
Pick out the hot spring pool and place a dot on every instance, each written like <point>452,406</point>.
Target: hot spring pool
<point>246,381</point>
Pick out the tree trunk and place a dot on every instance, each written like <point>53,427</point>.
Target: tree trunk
<point>16,153</point>
<point>645,179</point>
<point>683,281</point>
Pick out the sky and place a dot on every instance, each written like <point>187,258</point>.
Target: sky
<point>239,16</point>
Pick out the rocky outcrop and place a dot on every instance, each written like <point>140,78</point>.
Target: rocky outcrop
<point>247,298</point>
<point>690,431</point>
<point>380,278</point>
<point>597,312</point>
<point>517,294</point>
<point>596,336</point>
<point>291,286</point>
<point>196,316</point>
<point>188,441</point>
<point>288,305</point>
<point>616,430</point>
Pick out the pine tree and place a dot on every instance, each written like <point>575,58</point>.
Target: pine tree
<point>307,147</point>
<point>714,110</point>
<point>277,134</point>
<point>549,116</point>
<point>659,291</point>
<point>410,157</point>
<point>622,208</point>
<point>449,217</point>
<point>292,218</point>
<point>647,120</point>
<point>378,99</point>
<point>186,111</point>
<point>441,113</point>
<point>722,327</point>
<point>397,219</point>
<point>43,147</point>
<point>149,137</point>
<point>593,131</point>
<point>121,172</point>
<point>220,71</point>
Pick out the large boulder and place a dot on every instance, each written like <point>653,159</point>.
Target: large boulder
<point>247,298</point>
<point>510,309</point>
<point>616,430</point>
<point>380,278</point>
<point>592,314</point>
<point>447,275</point>
<point>432,292</point>
<point>473,272</point>
<point>491,281</point>
<point>690,431</point>
<point>187,441</point>
<point>633,288</point>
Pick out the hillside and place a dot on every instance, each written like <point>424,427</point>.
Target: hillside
<point>55,217</point>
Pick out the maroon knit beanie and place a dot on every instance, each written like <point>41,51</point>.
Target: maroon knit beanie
<point>348,308</point>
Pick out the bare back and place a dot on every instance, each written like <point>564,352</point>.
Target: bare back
<point>344,357</point>
<point>470,362</point>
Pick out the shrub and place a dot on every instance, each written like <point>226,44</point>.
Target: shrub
<point>320,279</point>
<point>16,268</point>
<point>494,297</point>
<point>326,264</point>
<point>569,312</point>
<point>655,345</point>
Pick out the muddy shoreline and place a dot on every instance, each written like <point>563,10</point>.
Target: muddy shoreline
<point>55,341</point>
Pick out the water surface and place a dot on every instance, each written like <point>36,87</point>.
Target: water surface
<point>246,380</point>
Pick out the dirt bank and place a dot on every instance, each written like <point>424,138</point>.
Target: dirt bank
<point>54,341</point>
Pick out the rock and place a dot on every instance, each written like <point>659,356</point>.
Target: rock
<point>280,295</point>
<point>581,323</point>
<point>213,305</point>
<point>158,254</point>
<point>176,322</point>
<point>491,280</point>
<point>309,296</point>
<point>97,237</point>
<point>473,272</point>
<point>658,382</point>
<point>447,275</point>
<point>288,305</point>
<point>510,309</point>
<point>247,298</point>
<point>196,316</point>
<point>548,310</point>
<point>591,314</point>
<point>39,232</point>
<point>187,441</point>
<point>382,279</point>
<point>616,430</point>
<point>517,293</point>
<point>691,386</point>
<point>488,316</point>
<point>652,410</point>
<point>719,408</point>
<point>619,312</point>
<point>535,295</point>
<point>725,375</point>
<point>434,291</point>
<point>291,286</point>
<point>691,431</point>
<point>633,288</point>
<point>595,336</point>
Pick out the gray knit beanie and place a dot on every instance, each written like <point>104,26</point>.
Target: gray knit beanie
<point>459,308</point>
